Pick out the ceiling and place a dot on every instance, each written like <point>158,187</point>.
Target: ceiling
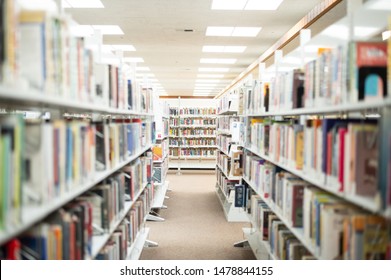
<point>156,28</point>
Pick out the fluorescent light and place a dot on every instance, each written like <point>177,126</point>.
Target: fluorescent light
<point>210,75</point>
<point>224,49</point>
<point>133,59</point>
<point>226,31</point>
<point>109,29</point>
<point>82,4</point>
<point>218,60</point>
<point>246,31</point>
<point>219,31</point>
<point>207,81</point>
<point>228,4</point>
<point>258,5</point>
<point>234,49</point>
<point>88,30</point>
<point>246,4</point>
<point>204,69</point>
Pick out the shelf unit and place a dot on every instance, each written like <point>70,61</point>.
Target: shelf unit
<point>271,103</point>
<point>192,134</point>
<point>84,158</point>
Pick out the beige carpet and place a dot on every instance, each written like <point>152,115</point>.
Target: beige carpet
<point>195,227</point>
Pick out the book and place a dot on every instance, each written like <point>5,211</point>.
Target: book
<point>368,70</point>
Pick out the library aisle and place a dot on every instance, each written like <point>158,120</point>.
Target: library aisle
<point>195,227</point>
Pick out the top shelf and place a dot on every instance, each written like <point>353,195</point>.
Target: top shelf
<point>334,109</point>
<point>17,98</point>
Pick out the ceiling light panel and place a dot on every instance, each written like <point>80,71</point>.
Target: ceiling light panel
<point>262,5</point>
<point>225,31</point>
<point>210,75</point>
<point>109,29</point>
<point>224,49</point>
<point>248,5</point>
<point>218,60</point>
<point>143,69</point>
<point>246,31</point>
<point>228,4</point>
<point>205,69</point>
<point>82,4</point>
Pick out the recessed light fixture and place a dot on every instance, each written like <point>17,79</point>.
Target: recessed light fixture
<point>224,49</point>
<point>239,5</point>
<point>225,31</point>
<point>210,75</point>
<point>205,69</point>
<point>218,60</point>
<point>82,4</point>
<point>142,75</point>
<point>208,81</point>
<point>124,48</point>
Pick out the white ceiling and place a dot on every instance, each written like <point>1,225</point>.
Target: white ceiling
<point>156,29</point>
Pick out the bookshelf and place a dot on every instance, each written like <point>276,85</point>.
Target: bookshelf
<point>305,118</point>
<point>192,134</point>
<point>78,142</point>
<point>228,165</point>
<point>161,160</point>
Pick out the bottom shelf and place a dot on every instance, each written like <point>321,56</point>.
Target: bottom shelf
<point>136,248</point>
<point>195,163</point>
<point>160,195</point>
<point>232,213</point>
<point>260,248</point>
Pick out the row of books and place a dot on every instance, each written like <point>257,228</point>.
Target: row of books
<point>224,142</point>
<point>192,142</point>
<point>224,122</point>
<point>230,166</point>
<point>160,150</point>
<point>325,219</point>
<point>69,232</point>
<point>342,154</point>
<point>42,161</point>
<point>226,185</point>
<point>160,171</point>
<point>194,121</point>
<point>118,247</point>
<point>228,102</point>
<point>283,244</point>
<point>38,52</point>
<point>192,111</point>
<point>195,152</point>
<point>197,131</point>
<point>355,72</point>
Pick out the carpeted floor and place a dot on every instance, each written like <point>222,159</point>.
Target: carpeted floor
<point>195,227</point>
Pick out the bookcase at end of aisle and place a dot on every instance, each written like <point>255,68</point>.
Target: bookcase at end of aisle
<point>192,135</point>
<point>160,159</point>
<point>229,158</point>
<point>317,152</point>
<point>75,145</point>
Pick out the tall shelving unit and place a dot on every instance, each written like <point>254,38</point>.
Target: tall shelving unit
<point>192,134</point>
<point>303,197</point>
<point>75,150</point>
<point>229,157</point>
<point>160,156</point>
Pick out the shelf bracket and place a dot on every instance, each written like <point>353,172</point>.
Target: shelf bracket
<point>242,244</point>
<point>150,244</point>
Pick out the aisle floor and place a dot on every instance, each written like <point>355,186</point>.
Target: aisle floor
<point>195,227</point>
